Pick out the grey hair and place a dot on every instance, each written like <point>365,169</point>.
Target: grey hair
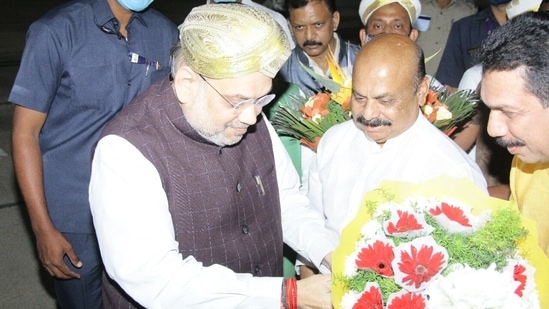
<point>176,58</point>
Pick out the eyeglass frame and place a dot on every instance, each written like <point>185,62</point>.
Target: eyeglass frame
<point>258,103</point>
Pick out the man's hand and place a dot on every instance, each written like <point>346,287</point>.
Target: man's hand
<point>315,292</point>
<point>52,246</point>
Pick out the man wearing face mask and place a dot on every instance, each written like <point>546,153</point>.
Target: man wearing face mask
<point>83,62</point>
<point>465,39</point>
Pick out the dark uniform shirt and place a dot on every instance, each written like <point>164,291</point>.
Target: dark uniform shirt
<point>77,69</point>
<point>464,41</point>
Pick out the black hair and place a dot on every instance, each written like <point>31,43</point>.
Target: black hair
<point>523,42</point>
<point>296,4</point>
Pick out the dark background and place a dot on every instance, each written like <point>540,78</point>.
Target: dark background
<point>17,15</point>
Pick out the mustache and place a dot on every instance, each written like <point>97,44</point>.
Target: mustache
<point>312,43</point>
<point>374,122</point>
<point>514,143</point>
<point>238,126</point>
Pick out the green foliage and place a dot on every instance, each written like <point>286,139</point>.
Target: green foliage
<point>359,281</point>
<point>461,104</point>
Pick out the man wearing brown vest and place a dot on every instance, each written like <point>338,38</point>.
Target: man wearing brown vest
<point>192,192</point>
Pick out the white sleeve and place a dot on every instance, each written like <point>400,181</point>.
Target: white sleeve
<point>471,78</point>
<point>307,158</point>
<point>137,242</point>
<point>303,228</point>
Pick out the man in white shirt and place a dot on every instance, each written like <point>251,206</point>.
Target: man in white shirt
<point>192,193</point>
<point>388,138</point>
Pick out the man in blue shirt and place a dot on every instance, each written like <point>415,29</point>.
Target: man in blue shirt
<point>83,62</point>
<point>464,41</point>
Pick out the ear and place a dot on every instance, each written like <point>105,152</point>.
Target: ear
<point>362,36</point>
<point>422,91</point>
<point>335,20</point>
<point>185,84</point>
<point>414,34</point>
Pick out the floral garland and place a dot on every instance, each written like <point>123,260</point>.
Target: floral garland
<point>413,246</point>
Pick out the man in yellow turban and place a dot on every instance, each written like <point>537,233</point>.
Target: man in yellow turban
<point>192,192</point>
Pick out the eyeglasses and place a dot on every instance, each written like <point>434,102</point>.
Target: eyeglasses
<point>258,103</point>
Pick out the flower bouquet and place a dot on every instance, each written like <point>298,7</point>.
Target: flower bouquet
<point>307,119</point>
<point>449,112</point>
<point>440,244</point>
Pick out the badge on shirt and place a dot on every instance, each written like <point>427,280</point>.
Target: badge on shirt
<point>136,58</point>
<point>422,23</point>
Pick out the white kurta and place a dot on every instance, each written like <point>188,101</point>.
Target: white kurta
<point>349,164</point>
<point>137,241</point>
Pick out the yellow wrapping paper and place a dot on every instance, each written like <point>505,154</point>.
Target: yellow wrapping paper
<point>440,187</point>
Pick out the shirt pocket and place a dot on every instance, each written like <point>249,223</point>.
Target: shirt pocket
<point>99,87</point>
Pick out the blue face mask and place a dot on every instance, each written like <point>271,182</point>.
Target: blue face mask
<point>135,5</point>
<point>498,2</point>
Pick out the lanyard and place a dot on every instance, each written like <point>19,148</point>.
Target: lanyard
<point>488,25</point>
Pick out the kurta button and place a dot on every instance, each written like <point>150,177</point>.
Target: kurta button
<point>238,187</point>
<point>245,229</point>
<point>257,269</point>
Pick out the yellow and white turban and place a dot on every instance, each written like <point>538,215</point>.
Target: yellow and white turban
<point>367,7</point>
<point>232,40</point>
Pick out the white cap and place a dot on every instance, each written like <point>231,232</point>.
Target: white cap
<point>367,7</point>
<point>517,7</point>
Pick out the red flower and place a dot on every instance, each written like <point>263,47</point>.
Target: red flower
<point>377,257</point>
<point>370,299</point>
<point>407,300</point>
<point>420,266</point>
<point>406,222</point>
<point>453,213</point>
<point>520,277</point>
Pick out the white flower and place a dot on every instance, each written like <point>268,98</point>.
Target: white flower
<point>317,118</point>
<point>350,265</point>
<point>427,109</point>
<point>465,287</point>
<point>371,229</point>
<point>349,299</point>
<point>443,114</point>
